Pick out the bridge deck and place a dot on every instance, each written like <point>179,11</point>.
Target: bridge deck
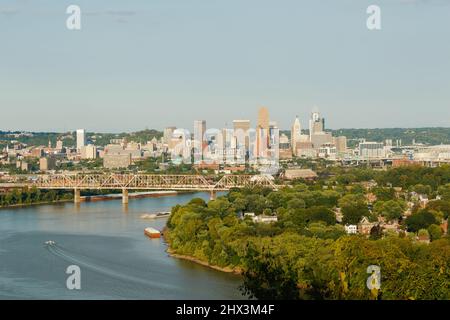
<point>139,182</point>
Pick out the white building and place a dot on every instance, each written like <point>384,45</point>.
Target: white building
<point>351,229</point>
<point>89,152</point>
<point>372,150</point>
<point>81,138</point>
<point>295,133</point>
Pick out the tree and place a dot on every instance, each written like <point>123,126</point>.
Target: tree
<point>376,232</point>
<point>392,210</point>
<point>384,194</point>
<point>435,232</point>
<point>296,204</point>
<point>444,192</point>
<point>353,208</point>
<point>420,220</point>
<point>440,205</point>
<point>321,213</point>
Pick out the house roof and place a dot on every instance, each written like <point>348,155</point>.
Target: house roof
<point>300,174</point>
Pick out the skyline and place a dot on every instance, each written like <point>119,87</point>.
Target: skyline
<point>168,63</point>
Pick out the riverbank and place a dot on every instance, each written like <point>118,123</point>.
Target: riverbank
<point>96,198</point>
<point>41,203</point>
<point>173,254</point>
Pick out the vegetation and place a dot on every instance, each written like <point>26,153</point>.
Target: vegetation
<point>32,196</point>
<point>431,136</point>
<point>307,254</point>
<point>100,139</point>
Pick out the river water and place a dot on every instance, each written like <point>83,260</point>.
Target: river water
<point>106,240</point>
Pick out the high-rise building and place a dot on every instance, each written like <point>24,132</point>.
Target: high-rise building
<point>263,118</point>
<point>59,145</point>
<point>262,133</point>
<point>81,138</point>
<point>316,124</point>
<point>168,132</point>
<point>46,164</point>
<point>89,152</point>
<point>341,144</point>
<point>320,138</point>
<point>200,142</point>
<point>241,136</point>
<point>295,133</point>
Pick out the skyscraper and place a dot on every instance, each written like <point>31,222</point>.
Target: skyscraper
<point>241,135</point>
<point>81,138</point>
<point>262,132</point>
<point>263,118</point>
<point>315,123</point>
<point>295,133</point>
<point>200,142</point>
<point>168,132</point>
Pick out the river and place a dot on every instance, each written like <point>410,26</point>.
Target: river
<point>106,240</point>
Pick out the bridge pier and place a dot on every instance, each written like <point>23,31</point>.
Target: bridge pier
<point>213,195</point>
<point>124,196</point>
<point>77,196</point>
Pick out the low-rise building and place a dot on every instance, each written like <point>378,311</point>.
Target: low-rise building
<point>306,174</point>
<point>351,229</point>
<point>47,163</point>
<point>117,161</point>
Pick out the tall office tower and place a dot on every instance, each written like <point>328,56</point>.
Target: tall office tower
<point>81,138</point>
<point>262,132</point>
<point>200,142</point>
<point>263,118</point>
<point>316,124</point>
<point>89,152</point>
<point>59,145</point>
<point>167,136</point>
<point>341,144</point>
<point>242,139</point>
<point>296,132</point>
<point>274,135</point>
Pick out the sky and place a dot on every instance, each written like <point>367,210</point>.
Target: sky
<point>140,64</point>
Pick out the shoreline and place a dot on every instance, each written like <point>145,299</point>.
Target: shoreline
<point>24,205</point>
<point>97,198</point>
<point>171,253</point>
<point>236,271</point>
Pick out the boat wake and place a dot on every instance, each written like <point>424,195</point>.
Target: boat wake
<point>88,263</point>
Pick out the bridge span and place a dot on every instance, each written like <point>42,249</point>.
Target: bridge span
<point>126,182</point>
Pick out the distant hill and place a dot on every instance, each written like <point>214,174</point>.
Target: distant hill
<point>429,136</point>
<point>100,139</point>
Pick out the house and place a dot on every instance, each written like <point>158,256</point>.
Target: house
<point>423,238</point>
<point>364,226</point>
<point>249,214</point>
<point>265,219</point>
<point>444,226</point>
<point>339,215</point>
<point>394,226</point>
<point>423,200</point>
<point>371,198</point>
<point>261,218</point>
<point>351,229</point>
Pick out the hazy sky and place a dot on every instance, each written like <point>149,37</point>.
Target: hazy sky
<point>156,63</point>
